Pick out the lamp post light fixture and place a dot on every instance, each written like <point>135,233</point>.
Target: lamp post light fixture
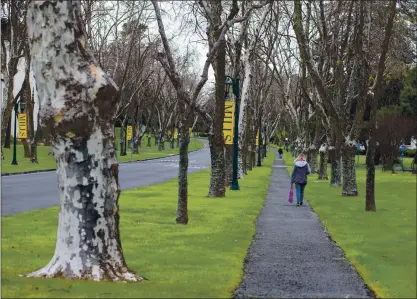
<point>234,83</point>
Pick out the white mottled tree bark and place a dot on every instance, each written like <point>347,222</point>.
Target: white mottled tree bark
<point>323,162</point>
<point>243,109</point>
<point>79,104</point>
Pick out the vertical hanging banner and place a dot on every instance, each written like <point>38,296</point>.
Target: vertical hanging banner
<point>22,122</point>
<point>129,132</point>
<point>229,117</point>
<point>257,138</point>
<point>175,133</point>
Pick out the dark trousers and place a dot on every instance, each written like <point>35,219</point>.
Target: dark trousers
<point>300,192</point>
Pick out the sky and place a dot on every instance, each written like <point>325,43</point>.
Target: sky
<point>171,17</point>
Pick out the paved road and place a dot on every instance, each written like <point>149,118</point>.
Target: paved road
<point>291,255</point>
<point>25,192</point>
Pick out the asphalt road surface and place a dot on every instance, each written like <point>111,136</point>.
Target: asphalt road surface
<point>291,255</point>
<point>26,192</point>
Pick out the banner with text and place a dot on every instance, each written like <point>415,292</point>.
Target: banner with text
<point>229,117</point>
<point>129,132</point>
<point>23,130</point>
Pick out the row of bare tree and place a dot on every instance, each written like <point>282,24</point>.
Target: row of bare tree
<point>97,63</point>
<point>345,51</point>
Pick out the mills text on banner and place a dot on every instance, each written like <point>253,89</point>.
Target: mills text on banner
<point>23,132</point>
<point>229,116</point>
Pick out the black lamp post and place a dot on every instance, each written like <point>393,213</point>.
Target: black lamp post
<point>124,147</point>
<point>265,139</point>
<point>260,140</point>
<point>229,81</point>
<point>16,108</point>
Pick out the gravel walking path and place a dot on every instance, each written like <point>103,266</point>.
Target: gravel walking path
<point>291,255</point>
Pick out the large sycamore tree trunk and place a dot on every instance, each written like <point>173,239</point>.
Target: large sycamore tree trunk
<point>323,162</point>
<point>335,157</point>
<point>349,186</point>
<point>216,139</point>
<point>79,105</point>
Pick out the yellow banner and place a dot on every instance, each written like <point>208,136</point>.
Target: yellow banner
<point>229,117</point>
<point>190,131</point>
<point>23,130</point>
<point>257,138</point>
<point>175,133</point>
<point>129,132</point>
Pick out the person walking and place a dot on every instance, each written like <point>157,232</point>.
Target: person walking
<point>280,152</point>
<point>299,177</point>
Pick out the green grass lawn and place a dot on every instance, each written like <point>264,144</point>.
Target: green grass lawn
<point>381,245</point>
<point>203,259</point>
<point>48,161</point>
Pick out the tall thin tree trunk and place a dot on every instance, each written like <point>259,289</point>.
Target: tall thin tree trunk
<point>138,133</point>
<point>7,137</point>
<point>88,244</point>
<point>30,103</point>
<point>243,115</point>
<point>7,112</point>
<point>314,148</point>
<point>370,173</point>
<point>378,92</point>
<point>182,210</point>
